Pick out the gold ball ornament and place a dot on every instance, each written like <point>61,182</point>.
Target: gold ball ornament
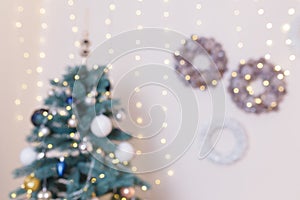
<point>32,183</point>
<point>127,192</point>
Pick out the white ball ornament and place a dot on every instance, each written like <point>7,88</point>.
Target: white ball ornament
<point>124,152</point>
<point>90,100</point>
<point>44,131</point>
<point>28,155</point>
<point>101,126</point>
<point>72,123</point>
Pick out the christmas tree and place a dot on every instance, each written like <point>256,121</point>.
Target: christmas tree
<point>75,151</point>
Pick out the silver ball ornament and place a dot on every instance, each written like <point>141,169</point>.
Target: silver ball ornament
<point>101,126</point>
<point>90,100</point>
<point>68,91</point>
<point>51,92</point>
<point>119,115</point>
<point>124,152</point>
<point>85,147</point>
<point>72,123</point>
<point>44,131</point>
<point>41,155</point>
<point>94,93</point>
<point>127,192</point>
<point>44,194</point>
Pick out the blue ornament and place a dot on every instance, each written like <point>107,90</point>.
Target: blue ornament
<point>61,167</point>
<point>38,118</point>
<point>69,100</point>
<point>107,88</point>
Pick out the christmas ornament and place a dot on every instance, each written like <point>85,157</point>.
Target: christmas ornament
<point>85,44</point>
<point>124,152</point>
<point>85,147</point>
<point>61,167</point>
<point>90,100</point>
<point>271,81</point>
<point>41,155</point>
<point>101,126</point>
<point>196,75</point>
<point>119,115</point>
<point>51,92</point>
<point>44,131</point>
<point>68,91</point>
<point>208,140</point>
<point>127,192</point>
<point>44,194</point>
<point>38,117</point>
<point>108,87</point>
<point>28,155</point>
<point>69,100</point>
<point>32,183</point>
<point>72,123</point>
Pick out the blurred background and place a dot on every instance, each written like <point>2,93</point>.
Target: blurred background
<point>40,38</point>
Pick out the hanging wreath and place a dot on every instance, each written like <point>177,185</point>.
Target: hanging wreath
<point>195,75</point>
<point>209,142</point>
<point>269,79</point>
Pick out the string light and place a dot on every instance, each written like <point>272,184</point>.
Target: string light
<point>164,125</point>
<point>269,25</point>
<point>292,57</point>
<point>70,2</point>
<point>19,117</point>
<point>42,55</point>
<point>240,45</point>
<point>17,102</point>
<point>157,181</point>
<point>261,11</point>
<point>269,42</point>
<point>139,120</point>
<point>74,29</point>
<point>44,25</point>
<point>164,92</point>
<point>107,21</point>
<point>112,7</point>
<point>167,61</point>
<point>20,9</point>
<point>139,105</point>
<point>137,57</point>
<point>18,24</point>
<point>26,55</point>
<point>285,28</point>
<point>72,17</point>
<point>170,173</point>
<point>268,56</point>
<point>24,86</point>
<point>236,12</point>
<point>42,11</point>
<point>238,29</point>
<point>138,12</point>
<point>291,11</point>
<point>163,141</point>
<point>108,35</point>
<point>288,41</point>
<point>198,22</point>
<point>166,14</point>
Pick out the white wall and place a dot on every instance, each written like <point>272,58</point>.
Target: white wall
<point>270,167</point>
